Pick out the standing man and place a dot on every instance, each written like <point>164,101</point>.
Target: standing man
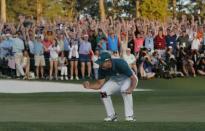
<point>17,49</point>
<point>121,79</point>
<point>39,57</point>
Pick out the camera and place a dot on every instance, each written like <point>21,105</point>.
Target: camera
<point>27,23</point>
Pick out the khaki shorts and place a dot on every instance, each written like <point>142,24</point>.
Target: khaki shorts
<point>39,60</point>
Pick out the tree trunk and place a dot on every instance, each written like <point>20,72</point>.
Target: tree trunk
<point>3,10</point>
<point>174,8</point>
<point>102,9</point>
<point>137,8</point>
<point>39,10</point>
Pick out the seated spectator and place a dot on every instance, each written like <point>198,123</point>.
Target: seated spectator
<point>171,62</point>
<point>188,66</point>
<point>63,63</point>
<point>54,51</point>
<point>157,66</point>
<point>201,66</point>
<point>145,68</point>
<point>26,65</point>
<point>195,58</point>
<point>130,59</point>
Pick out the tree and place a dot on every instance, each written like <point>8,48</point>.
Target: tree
<point>155,9</point>
<point>39,10</point>
<point>199,9</point>
<point>3,10</point>
<point>174,2</point>
<point>137,8</point>
<point>102,9</point>
<point>16,7</point>
<point>71,9</point>
<point>88,7</point>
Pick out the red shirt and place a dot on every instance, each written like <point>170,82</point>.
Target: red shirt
<point>160,42</point>
<point>138,43</point>
<point>47,43</point>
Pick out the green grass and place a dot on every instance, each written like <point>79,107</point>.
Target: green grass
<point>174,105</point>
<point>120,126</point>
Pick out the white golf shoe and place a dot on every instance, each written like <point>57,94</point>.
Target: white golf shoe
<point>112,118</point>
<point>130,119</point>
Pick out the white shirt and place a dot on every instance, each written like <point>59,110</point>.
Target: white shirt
<point>129,59</point>
<point>54,51</point>
<point>195,44</point>
<point>94,59</point>
<point>73,51</point>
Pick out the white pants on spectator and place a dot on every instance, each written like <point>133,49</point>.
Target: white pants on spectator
<point>64,71</point>
<point>96,73</point>
<point>19,67</point>
<point>161,53</point>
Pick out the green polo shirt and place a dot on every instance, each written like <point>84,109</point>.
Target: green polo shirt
<point>119,67</point>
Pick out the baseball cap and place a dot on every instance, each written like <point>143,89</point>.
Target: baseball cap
<point>104,56</point>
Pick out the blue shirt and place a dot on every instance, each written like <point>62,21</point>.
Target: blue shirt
<point>102,47</point>
<point>113,43</point>
<point>149,43</point>
<point>204,39</point>
<point>31,46</point>
<point>18,45</point>
<point>66,44</point>
<point>6,48</point>
<point>38,48</point>
<point>119,67</point>
<point>171,41</point>
<point>85,47</point>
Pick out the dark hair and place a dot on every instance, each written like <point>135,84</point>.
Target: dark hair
<point>56,42</point>
<point>61,53</point>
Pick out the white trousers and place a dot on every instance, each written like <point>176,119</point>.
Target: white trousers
<point>112,86</point>
<point>64,70</point>
<point>18,62</point>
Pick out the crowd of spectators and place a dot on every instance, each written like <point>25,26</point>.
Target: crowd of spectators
<point>68,50</point>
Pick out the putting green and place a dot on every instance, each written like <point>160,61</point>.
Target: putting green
<point>169,106</point>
